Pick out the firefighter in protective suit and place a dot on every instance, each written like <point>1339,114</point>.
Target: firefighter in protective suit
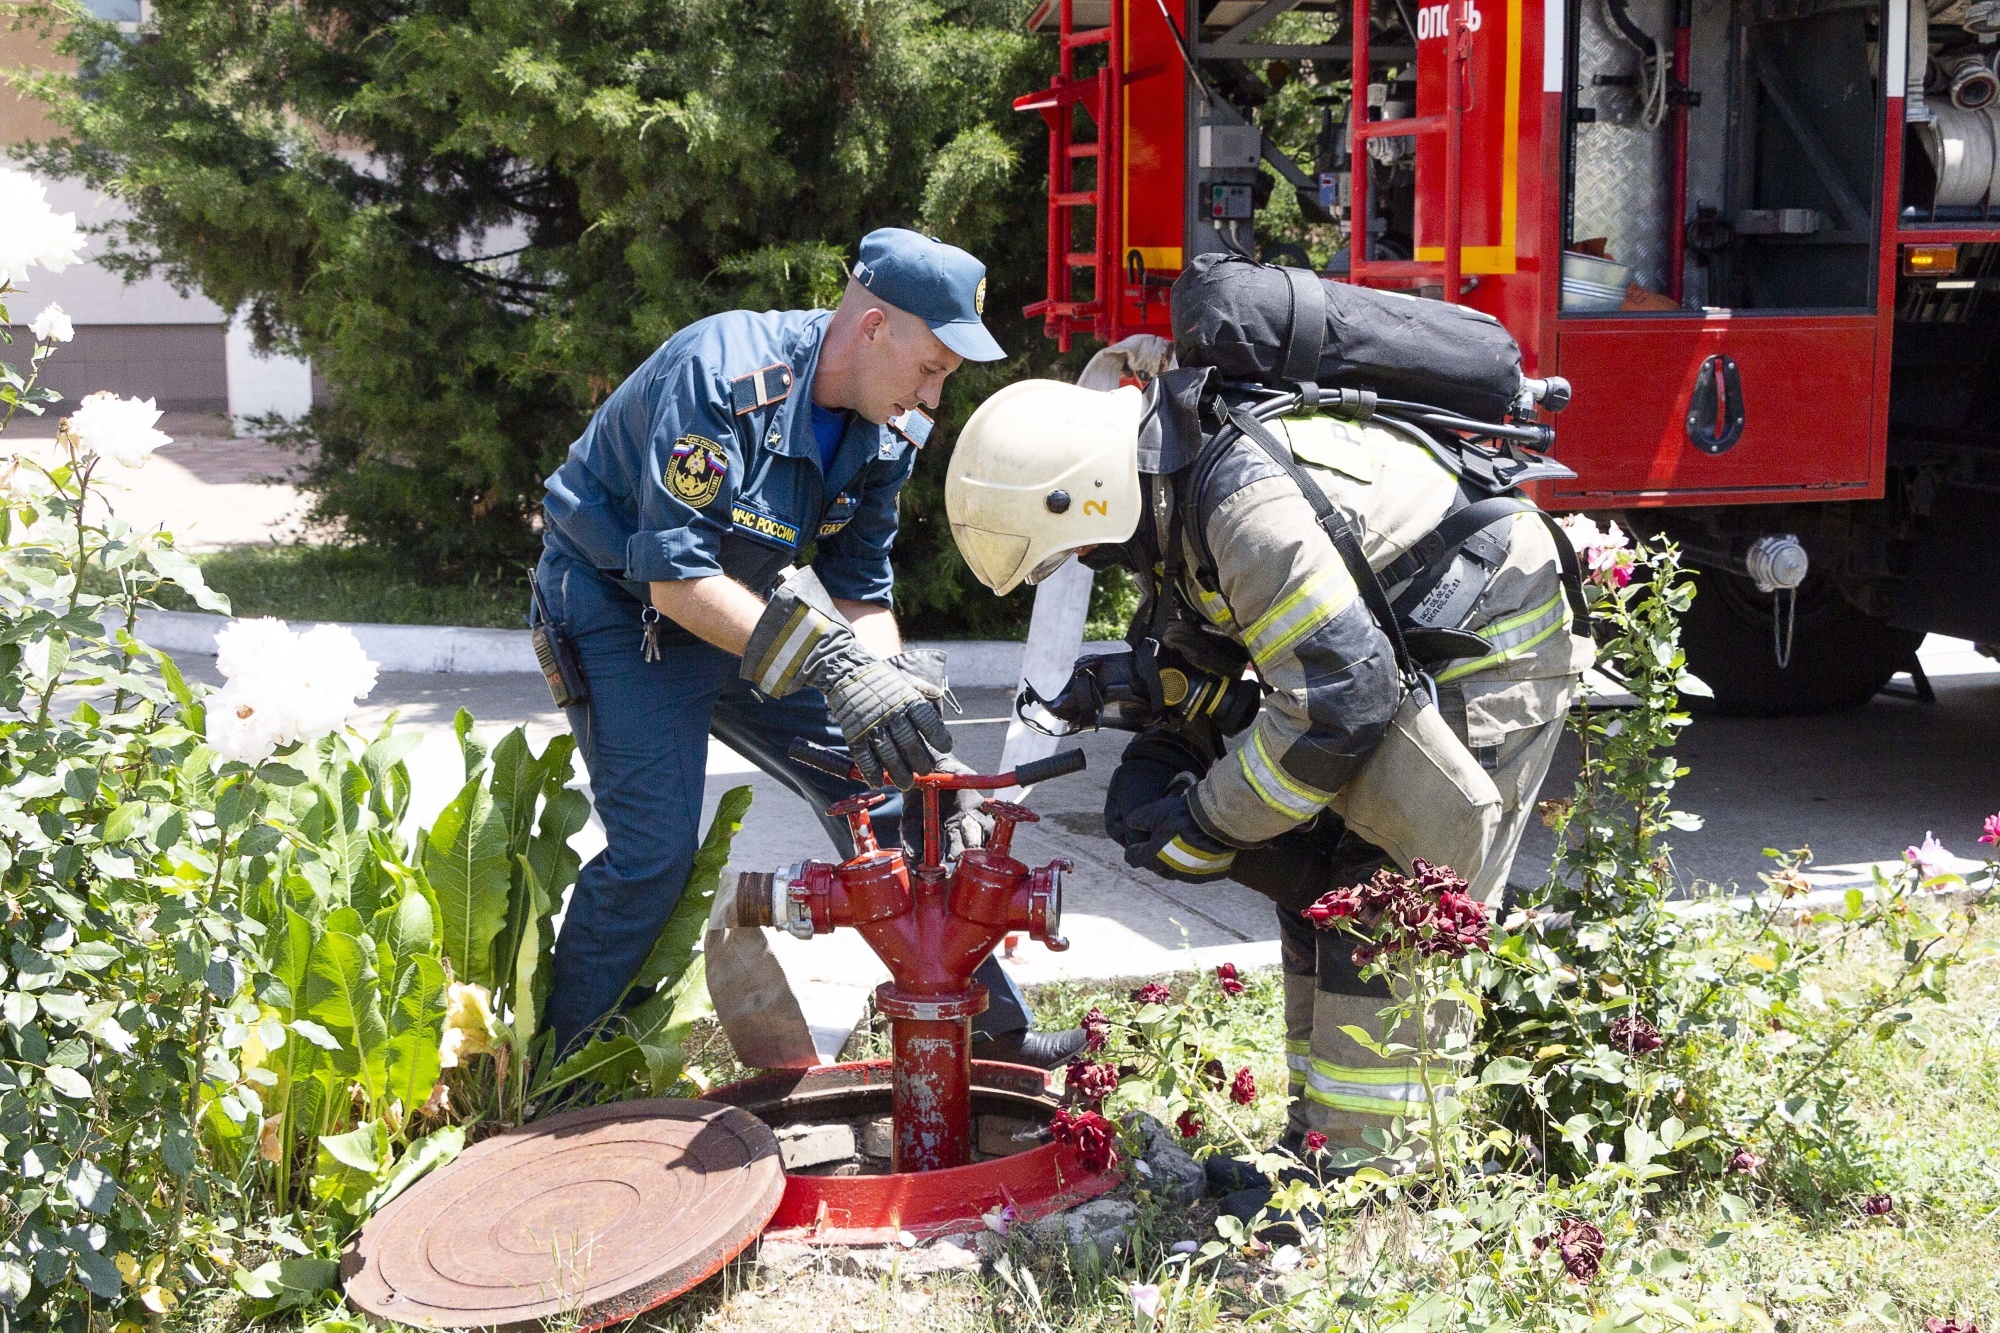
<point>1350,763</point>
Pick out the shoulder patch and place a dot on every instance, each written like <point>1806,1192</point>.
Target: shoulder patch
<point>695,472</point>
<point>760,388</point>
<point>914,426</point>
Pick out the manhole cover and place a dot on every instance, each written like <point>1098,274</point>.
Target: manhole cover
<point>591,1216</point>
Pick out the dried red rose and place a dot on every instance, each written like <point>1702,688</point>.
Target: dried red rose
<point>1243,1088</point>
<point>1744,1162</point>
<point>1088,1134</point>
<point>1428,911</point>
<point>1634,1035</point>
<point>1950,1326</point>
<point>1096,1029</point>
<point>1153,992</point>
<point>1878,1205</point>
<point>1229,979</point>
<point>1187,1125</point>
<point>1581,1246</point>
<point>1213,1074</point>
<point>1091,1081</point>
<point>1315,1141</point>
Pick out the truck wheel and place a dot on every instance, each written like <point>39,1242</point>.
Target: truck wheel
<point>1840,656</point>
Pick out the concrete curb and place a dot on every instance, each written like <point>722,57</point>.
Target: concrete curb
<point>975,664</point>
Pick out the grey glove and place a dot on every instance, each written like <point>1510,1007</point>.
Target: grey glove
<point>925,668</point>
<point>965,824</point>
<point>801,641</point>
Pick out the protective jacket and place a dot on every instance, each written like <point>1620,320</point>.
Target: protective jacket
<point>1255,565</point>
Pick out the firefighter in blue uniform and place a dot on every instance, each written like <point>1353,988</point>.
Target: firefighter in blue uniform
<point>670,538</point>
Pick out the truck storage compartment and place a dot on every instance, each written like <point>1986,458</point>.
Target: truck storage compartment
<point>1795,393</point>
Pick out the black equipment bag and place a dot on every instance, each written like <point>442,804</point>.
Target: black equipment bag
<point>1272,325</point>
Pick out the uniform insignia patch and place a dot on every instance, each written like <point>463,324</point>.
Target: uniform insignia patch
<point>979,298</point>
<point>695,473</point>
<point>768,526</point>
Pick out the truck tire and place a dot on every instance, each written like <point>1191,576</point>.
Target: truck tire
<point>1840,655</point>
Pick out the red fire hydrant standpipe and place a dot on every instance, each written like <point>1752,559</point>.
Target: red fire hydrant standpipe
<point>932,925</point>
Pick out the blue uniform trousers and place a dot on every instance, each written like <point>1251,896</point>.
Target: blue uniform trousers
<point>644,738</point>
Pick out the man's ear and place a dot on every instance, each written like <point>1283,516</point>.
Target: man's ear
<point>873,324</point>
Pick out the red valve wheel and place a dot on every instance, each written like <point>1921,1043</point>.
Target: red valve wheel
<point>1007,810</point>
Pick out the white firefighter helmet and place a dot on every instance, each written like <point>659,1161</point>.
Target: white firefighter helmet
<point>1042,470</point>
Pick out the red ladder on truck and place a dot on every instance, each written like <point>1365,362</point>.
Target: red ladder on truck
<point>1062,313</point>
<point>1450,123</point>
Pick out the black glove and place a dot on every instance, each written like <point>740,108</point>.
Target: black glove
<point>802,641</point>
<point>1145,774</point>
<point>1168,842</point>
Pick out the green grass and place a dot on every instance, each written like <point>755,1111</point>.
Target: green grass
<point>358,585</point>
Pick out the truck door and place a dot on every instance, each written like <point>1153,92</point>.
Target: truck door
<point>1721,229</point>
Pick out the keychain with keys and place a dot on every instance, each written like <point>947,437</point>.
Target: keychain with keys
<point>649,646</point>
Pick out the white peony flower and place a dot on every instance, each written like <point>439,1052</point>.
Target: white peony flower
<point>281,686</point>
<point>31,232</point>
<point>52,325</point>
<point>120,429</point>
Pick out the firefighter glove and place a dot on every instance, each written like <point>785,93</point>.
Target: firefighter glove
<point>802,642</point>
<point>1146,773</point>
<point>1167,841</point>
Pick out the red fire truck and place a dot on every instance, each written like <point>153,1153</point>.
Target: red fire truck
<point>1759,238</point>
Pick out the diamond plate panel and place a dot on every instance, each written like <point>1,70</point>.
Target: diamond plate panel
<point>1624,176</point>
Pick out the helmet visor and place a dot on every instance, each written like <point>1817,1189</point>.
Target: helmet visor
<point>1050,564</point>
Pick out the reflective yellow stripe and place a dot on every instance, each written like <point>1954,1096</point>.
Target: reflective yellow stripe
<point>1273,786</point>
<point>1369,1073</point>
<point>1297,614</point>
<point>1212,606</point>
<point>1181,856</point>
<point>1382,1106</point>
<point>1498,629</point>
<point>1514,637</point>
<point>1298,1059</point>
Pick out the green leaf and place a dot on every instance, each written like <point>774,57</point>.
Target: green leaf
<point>174,566</point>
<point>470,747</point>
<point>427,1154</point>
<point>359,1148</point>
<point>405,930</point>
<point>1506,1071</point>
<point>315,1034</point>
<point>91,1185</point>
<point>342,993</point>
<point>68,1082</point>
<point>517,780</point>
<point>465,862</point>
<point>285,1283</point>
<point>123,822</point>
<point>97,1273</point>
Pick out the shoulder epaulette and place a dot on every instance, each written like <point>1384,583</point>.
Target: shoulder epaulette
<point>760,388</point>
<point>914,425</point>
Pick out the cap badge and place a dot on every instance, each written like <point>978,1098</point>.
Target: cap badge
<point>979,298</point>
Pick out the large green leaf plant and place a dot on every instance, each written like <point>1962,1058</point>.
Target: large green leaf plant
<point>242,1004</point>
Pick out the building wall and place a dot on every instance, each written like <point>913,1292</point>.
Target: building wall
<point>140,339</point>
<point>182,367</point>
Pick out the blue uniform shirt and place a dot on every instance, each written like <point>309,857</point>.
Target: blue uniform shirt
<point>704,462</point>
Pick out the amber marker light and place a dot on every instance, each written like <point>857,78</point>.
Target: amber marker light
<point>1930,261</point>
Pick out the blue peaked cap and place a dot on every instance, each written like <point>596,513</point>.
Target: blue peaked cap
<point>940,284</point>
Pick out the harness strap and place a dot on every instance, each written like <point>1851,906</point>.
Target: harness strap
<point>1373,596</point>
<point>1307,339</point>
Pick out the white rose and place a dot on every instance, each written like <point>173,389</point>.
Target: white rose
<point>117,428</point>
<point>52,325</point>
<point>31,232</point>
<point>282,686</point>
